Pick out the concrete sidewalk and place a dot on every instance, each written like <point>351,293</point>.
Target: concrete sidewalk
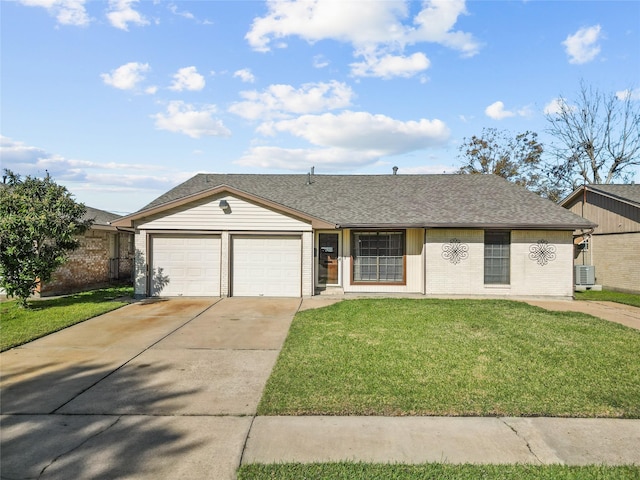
<point>416,440</point>
<point>612,311</point>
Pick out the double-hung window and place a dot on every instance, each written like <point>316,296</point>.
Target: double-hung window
<point>497,246</point>
<point>378,257</point>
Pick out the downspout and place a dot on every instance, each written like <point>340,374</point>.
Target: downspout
<point>424,262</point>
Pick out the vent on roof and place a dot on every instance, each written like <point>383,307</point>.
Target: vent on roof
<point>395,170</point>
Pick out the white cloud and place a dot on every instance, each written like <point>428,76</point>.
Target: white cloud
<point>633,95</point>
<point>29,160</point>
<point>497,111</point>
<point>365,132</point>
<point>389,66</point>
<point>300,159</point>
<point>582,46</point>
<point>381,29</point>
<point>344,141</point>
<point>320,61</point>
<point>67,12</point>
<point>121,14</point>
<point>435,23</point>
<point>173,8</point>
<point>281,100</point>
<point>428,169</point>
<point>127,76</point>
<point>245,75</point>
<point>187,78</point>
<point>184,118</point>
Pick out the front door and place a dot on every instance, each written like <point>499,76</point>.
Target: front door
<point>328,259</point>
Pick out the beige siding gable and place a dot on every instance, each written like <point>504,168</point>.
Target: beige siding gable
<point>206,214</point>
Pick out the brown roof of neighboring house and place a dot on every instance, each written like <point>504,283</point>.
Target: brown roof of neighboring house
<point>627,193</point>
<point>478,201</point>
<point>99,217</point>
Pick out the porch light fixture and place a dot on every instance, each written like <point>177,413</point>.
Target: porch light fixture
<point>224,205</point>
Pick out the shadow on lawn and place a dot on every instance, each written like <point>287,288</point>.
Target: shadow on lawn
<point>37,440</point>
<point>123,294</point>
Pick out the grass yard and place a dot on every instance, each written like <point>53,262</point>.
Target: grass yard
<point>454,357</point>
<point>19,325</point>
<point>343,471</point>
<point>609,296</point>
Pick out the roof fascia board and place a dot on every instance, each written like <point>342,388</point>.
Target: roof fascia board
<point>572,196</point>
<point>128,220</point>
<point>474,226</point>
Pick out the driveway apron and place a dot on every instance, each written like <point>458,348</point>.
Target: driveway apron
<point>160,388</point>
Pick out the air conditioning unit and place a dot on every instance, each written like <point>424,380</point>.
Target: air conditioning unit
<point>585,275</point>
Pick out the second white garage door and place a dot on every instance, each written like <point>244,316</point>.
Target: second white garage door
<point>185,265</point>
<point>267,266</point>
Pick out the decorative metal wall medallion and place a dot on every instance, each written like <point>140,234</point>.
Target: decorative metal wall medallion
<point>454,251</point>
<point>542,252</point>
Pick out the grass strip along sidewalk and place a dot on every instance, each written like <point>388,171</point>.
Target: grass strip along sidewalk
<point>609,296</point>
<point>454,357</point>
<point>435,471</point>
<point>45,316</point>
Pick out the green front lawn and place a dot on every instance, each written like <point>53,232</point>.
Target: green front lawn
<point>454,357</point>
<point>439,471</point>
<point>20,325</point>
<point>609,296</point>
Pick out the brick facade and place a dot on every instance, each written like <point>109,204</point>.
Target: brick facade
<point>617,261</point>
<point>94,264</point>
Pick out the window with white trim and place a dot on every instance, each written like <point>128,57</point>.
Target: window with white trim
<point>497,257</point>
<point>378,257</point>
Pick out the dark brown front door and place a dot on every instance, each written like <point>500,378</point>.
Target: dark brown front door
<point>328,258</point>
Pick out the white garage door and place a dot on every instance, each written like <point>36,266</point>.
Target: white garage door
<point>266,266</point>
<point>187,265</point>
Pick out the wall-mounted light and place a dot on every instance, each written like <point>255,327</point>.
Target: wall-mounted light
<point>224,205</point>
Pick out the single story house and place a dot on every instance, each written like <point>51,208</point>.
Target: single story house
<point>614,246</point>
<point>300,235</point>
<point>105,255</point>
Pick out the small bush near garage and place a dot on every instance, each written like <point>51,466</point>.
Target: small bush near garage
<point>45,316</point>
<point>454,357</point>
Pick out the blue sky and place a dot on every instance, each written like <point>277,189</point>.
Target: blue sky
<point>121,100</point>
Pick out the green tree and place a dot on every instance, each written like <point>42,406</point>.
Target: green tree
<point>596,138</point>
<point>516,158</point>
<point>39,224</point>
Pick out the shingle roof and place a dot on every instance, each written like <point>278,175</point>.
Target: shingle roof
<point>402,200</point>
<point>629,192</point>
<point>99,217</point>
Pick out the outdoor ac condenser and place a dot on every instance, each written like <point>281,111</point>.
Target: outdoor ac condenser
<point>585,275</point>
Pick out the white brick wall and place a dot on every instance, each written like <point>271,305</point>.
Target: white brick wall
<point>527,276</point>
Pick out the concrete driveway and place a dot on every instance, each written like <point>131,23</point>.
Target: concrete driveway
<point>160,388</point>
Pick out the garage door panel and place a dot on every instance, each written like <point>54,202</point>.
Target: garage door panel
<point>266,266</point>
<point>189,265</point>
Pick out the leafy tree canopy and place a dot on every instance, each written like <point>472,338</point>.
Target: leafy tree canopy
<point>39,224</point>
<point>516,158</point>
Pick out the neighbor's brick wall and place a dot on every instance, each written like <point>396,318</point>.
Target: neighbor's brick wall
<point>617,261</point>
<point>88,266</point>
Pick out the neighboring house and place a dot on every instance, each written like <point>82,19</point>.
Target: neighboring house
<point>614,246</point>
<point>105,255</point>
<point>299,235</point>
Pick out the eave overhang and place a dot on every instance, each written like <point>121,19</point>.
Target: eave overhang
<point>472,226</point>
